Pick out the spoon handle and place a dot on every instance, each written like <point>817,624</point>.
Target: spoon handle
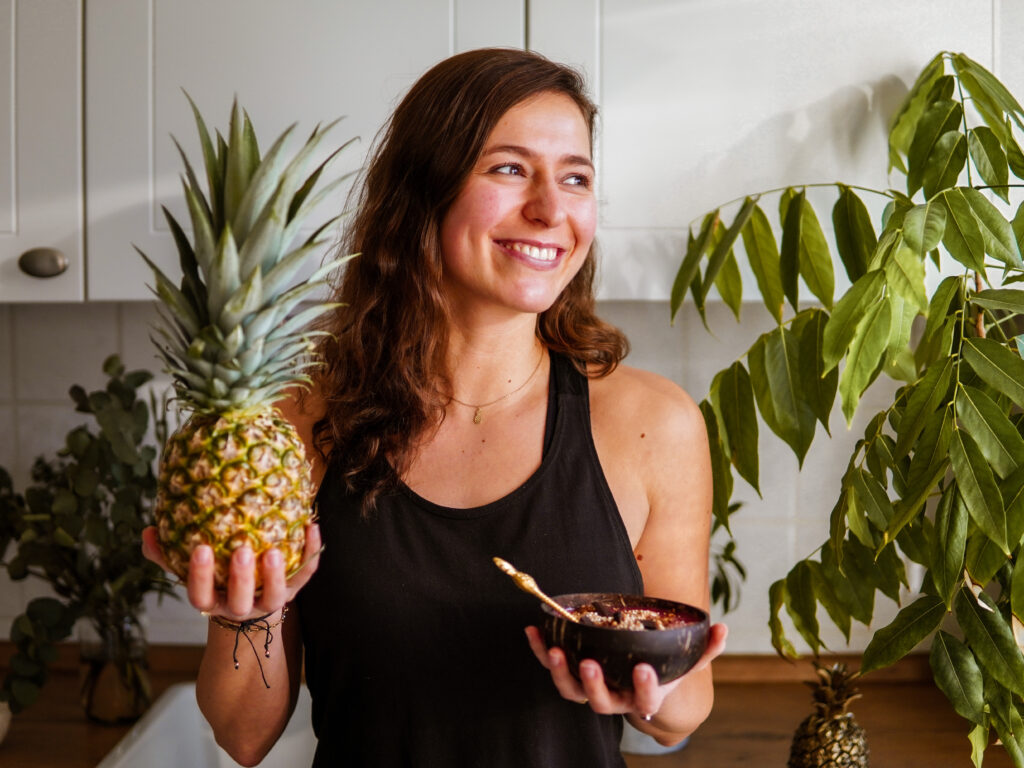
<point>526,583</point>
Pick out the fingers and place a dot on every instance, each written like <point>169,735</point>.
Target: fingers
<point>241,582</point>
<point>647,694</point>
<point>151,547</point>
<point>553,659</point>
<point>311,558</point>
<point>201,592</point>
<point>715,646</point>
<point>275,589</point>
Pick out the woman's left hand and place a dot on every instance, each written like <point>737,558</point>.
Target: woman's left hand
<point>646,697</point>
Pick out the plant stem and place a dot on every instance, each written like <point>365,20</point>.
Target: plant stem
<point>979,321</point>
<point>963,113</point>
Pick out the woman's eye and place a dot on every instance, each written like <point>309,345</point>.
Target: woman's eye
<point>579,180</point>
<point>509,169</point>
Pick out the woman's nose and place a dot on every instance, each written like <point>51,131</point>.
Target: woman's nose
<point>544,204</point>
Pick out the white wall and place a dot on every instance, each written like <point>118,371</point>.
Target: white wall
<point>702,101</point>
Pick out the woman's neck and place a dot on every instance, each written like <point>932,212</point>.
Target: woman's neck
<point>488,362</point>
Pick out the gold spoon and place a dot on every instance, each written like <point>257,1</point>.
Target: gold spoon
<point>526,583</point>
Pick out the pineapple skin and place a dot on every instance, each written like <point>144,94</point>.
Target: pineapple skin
<point>837,742</point>
<point>232,479</point>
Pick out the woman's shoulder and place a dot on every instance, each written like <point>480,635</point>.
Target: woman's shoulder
<point>629,398</point>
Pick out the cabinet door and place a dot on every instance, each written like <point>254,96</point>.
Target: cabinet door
<point>40,145</point>
<point>305,60</point>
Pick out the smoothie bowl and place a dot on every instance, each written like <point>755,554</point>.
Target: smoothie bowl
<point>620,631</point>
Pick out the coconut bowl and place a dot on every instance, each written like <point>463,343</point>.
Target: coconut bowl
<point>671,651</point>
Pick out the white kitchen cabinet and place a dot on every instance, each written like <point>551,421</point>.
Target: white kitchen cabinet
<point>40,145</point>
<point>305,61</point>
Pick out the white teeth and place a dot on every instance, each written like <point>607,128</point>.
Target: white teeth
<point>539,254</point>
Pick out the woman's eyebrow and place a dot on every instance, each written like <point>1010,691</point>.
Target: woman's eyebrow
<point>530,154</point>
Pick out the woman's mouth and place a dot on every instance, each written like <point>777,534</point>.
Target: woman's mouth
<point>533,252</point>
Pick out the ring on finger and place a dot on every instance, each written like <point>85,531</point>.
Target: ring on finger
<point>647,718</point>
<point>584,700</point>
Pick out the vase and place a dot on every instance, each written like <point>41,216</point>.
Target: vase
<point>636,742</point>
<point>114,672</point>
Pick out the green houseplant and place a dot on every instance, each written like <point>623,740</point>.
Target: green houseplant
<point>78,527</point>
<point>938,476</point>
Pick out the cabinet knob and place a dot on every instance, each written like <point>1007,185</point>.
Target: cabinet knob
<point>42,262</point>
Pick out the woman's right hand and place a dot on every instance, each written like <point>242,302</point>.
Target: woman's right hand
<point>240,601</point>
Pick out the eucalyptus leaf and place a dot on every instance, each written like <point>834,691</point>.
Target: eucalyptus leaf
<point>801,605</point>
<point>962,236</point>
<point>777,598</point>
<point>978,488</point>
<point>855,235</point>
<point>848,313</point>
<point>864,359</point>
<point>958,675</point>
<point>938,119</point>
<point>989,158</point>
<point>991,639</point>
<point>999,441</point>
<point>1000,368</point>
<point>774,373</point>
<point>910,627</point>
<point>736,405</point>
<point>763,257</point>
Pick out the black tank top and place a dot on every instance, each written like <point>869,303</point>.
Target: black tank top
<point>414,644</point>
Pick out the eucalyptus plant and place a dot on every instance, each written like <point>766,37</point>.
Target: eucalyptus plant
<point>78,527</point>
<point>938,476</point>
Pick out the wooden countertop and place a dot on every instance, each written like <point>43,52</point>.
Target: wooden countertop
<point>758,705</point>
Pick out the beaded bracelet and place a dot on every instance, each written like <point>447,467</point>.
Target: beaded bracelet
<point>248,627</point>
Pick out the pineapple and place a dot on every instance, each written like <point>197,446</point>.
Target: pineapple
<point>830,738</point>
<point>235,472</point>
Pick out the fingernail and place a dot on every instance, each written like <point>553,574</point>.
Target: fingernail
<point>245,556</point>
<point>273,558</point>
<point>203,555</point>
<point>588,671</point>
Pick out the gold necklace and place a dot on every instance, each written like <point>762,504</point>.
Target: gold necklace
<point>478,416</point>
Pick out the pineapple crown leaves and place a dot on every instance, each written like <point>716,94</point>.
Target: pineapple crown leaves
<point>230,334</point>
<point>833,690</point>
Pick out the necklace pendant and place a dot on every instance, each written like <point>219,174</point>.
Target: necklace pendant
<point>477,417</point>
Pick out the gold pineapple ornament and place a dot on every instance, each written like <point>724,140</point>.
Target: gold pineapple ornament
<point>830,737</point>
<point>235,336</point>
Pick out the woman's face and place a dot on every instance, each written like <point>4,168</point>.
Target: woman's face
<point>524,220</point>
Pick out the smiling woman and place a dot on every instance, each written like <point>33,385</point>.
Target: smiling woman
<point>471,405</point>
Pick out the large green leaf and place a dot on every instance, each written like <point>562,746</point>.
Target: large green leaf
<point>1012,490</point>
<point>871,497</point>
<point>910,626</point>
<point>776,599</point>
<point>848,313</point>
<point>730,284</point>
<point>801,605</point>
<point>995,229</point>
<point>991,639</point>
<point>864,359</point>
<point>763,257</point>
<point>815,260</point>
<point>904,273</point>
<point>721,475</point>
<point>856,594</point>
<point>962,236</point>
<point>912,500</point>
<point>789,251</point>
<point>982,557</point>
<point>925,398</point>
<point>735,402</point>
<point>958,676</point>
<point>722,251</point>
<point>1008,299</point>
<point>855,236</point>
<point>978,487</point>
<point>827,596</point>
<point>690,267</point>
<point>923,227</point>
<point>899,354</point>
<point>950,543</point>
<point>990,159</point>
<point>1000,368</point>
<point>940,117</point>
<point>1017,590</point>
<point>818,385</point>
<point>775,374</point>
<point>945,163</point>
<point>991,86</point>
<point>1000,442</point>
<point>931,450</point>
<point>904,122</point>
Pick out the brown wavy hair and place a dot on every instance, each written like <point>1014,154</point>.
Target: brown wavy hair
<point>384,380</point>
